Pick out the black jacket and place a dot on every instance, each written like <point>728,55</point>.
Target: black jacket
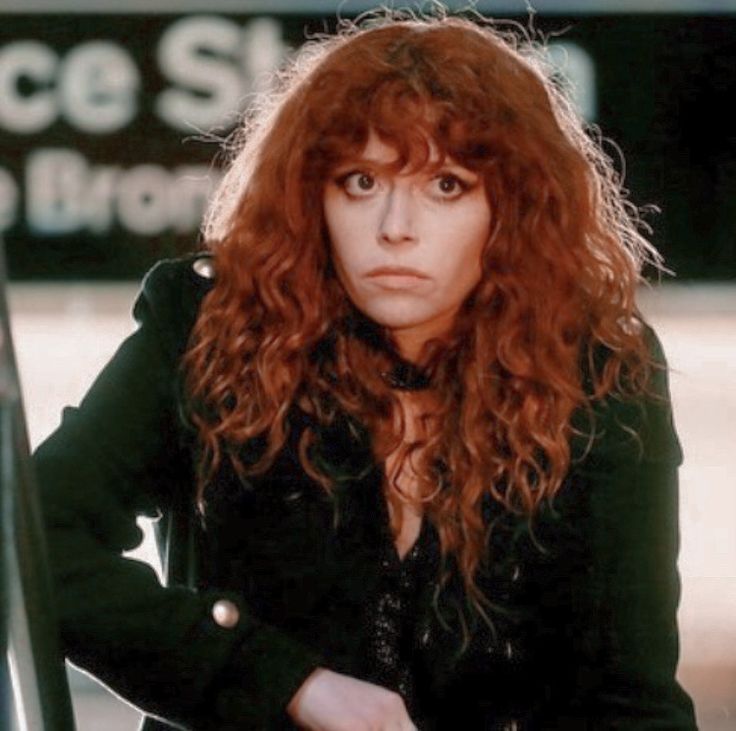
<point>585,629</point>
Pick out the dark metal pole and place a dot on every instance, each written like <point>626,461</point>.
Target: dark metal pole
<point>31,657</point>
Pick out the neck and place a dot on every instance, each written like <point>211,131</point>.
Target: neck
<point>406,376</point>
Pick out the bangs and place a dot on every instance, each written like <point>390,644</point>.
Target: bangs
<point>414,124</point>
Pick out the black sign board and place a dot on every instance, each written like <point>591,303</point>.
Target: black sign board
<point>109,125</point>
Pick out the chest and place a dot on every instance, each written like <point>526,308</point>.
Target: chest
<point>401,484</point>
<point>282,537</point>
<point>311,562</point>
<point>405,518</point>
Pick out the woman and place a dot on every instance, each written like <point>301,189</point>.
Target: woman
<point>408,397</point>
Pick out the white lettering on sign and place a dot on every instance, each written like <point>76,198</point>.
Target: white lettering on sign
<point>98,85</point>
<point>211,62</point>
<point>190,194</point>
<point>94,87</point>
<point>577,68</point>
<point>65,194</point>
<point>264,50</point>
<point>55,191</point>
<point>200,55</point>
<point>8,200</point>
<point>143,200</point>
<point>98,211</point>
<point>33,65</point>
<point>214,64</point>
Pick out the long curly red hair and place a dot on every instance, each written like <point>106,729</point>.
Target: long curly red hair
<point>560,270</point>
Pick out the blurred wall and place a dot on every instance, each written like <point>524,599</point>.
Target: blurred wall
<point>111,115</point>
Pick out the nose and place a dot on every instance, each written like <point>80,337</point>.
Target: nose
<point>397,222</point>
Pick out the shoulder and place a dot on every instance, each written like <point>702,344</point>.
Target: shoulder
<point>651,414</point>
<point>187,277</point>
<point>641,427</point>
<point>171,294</point>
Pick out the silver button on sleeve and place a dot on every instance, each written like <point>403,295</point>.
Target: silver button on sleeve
<point>225,613</point>
<point>204,267</point>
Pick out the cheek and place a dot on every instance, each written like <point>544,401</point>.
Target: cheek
<point>461,281</point>
<point>343,237</point>
<point>335,240</point>
<point>345,259</point>
<point>348,267</point>
<point>465,269</point>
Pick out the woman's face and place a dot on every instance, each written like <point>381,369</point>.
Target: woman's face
<point>407,248</point>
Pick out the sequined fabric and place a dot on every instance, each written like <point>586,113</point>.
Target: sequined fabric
<point>389,618</point>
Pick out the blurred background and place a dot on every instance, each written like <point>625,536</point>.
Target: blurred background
<point>111,119</point>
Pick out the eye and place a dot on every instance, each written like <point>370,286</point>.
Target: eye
<point>356,182</point>
<point>449,184</point>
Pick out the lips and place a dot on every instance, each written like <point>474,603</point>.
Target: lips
<point>396,272</point>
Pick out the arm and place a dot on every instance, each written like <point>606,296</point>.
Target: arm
<point>112,459</point>
<point>635,541</point>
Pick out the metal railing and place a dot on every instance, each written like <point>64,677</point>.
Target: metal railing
<point>35,693</point>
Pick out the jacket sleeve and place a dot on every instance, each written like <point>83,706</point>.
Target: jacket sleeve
<point>635,542</point>
<point>118,456</point>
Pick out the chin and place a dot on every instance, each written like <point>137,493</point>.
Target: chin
<point>396,320</point>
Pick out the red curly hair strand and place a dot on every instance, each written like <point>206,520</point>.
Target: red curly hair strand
<point>560,270</point>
